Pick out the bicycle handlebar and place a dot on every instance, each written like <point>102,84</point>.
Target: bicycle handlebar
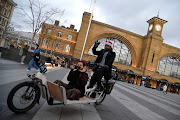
<point>97,64</point>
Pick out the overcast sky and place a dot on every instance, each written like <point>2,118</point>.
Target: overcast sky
<point>130,15</point>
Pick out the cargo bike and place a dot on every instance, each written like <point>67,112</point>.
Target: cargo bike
<point>25,95</point>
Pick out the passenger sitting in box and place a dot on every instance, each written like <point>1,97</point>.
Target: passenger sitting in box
<point>77,80</point>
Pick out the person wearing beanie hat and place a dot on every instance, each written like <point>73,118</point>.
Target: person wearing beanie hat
<point>77,80</point>
<point>109,43</point>
<point>84,67</point>
<point>105,57</point>
<point>84,64</point>
<point>37,46</point>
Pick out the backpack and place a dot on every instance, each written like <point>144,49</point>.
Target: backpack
<point>37,57</point>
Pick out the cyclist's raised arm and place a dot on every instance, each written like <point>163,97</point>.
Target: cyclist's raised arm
<point>94,48</point>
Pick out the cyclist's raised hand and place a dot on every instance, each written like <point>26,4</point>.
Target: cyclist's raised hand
<point>96,44</point>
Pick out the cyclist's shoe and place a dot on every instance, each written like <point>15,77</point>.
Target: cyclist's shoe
<point>90,86</point>
<point>99,89</point>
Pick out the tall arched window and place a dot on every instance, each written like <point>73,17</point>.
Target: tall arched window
<point>59,34</point>
<point>49,31</point>
<point>123,54</point>
<point>169,66</point>
<point>45,42</point>
<point>56,45</point>
<point>67,48</point>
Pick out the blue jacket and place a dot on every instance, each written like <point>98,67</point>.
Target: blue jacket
<point>36,52</point>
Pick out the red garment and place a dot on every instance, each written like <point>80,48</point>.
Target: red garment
<point>77,80</point>
<point>84,64</point>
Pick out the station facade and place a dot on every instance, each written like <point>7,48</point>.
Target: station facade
<point>144,55</point>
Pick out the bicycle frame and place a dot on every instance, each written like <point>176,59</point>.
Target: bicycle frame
<point>50,90</point>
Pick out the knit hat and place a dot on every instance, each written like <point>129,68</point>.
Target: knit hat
<point>108,43</point>
<point>37,45</point>
<point>84,64</point>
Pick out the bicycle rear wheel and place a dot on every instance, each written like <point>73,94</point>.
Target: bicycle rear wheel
<point>22,97</point>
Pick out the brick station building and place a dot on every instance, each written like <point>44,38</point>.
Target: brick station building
<point>144,55</point>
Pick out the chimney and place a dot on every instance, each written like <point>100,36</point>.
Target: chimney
<point>72,27</point>
<point>56,23</point>
<point>63,26</point>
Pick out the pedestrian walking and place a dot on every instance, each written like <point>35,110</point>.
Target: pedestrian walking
<point>50,60</point>
<point>165,89</point>
<point>35,58</point>
<point>56,61</point>
<point>24,54</point>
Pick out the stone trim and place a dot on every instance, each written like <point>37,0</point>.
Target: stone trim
<point>117,36</point>
<point>171,47</point>
<point>119,29</point>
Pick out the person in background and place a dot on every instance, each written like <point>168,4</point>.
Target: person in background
<point>35,58</point>
<point>63,63</point>
<point>24,54</point>
<point>165,89</point>
<point>56,61</point>
<point>50,60</point>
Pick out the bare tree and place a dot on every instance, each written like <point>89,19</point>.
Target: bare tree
<point>37,14</point>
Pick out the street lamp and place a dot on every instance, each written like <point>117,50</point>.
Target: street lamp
<point>87,30</point>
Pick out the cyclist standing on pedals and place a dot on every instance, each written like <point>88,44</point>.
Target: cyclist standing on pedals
<point>105,57</point>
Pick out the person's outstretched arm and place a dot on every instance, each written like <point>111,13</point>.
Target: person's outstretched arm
<point>94,48</point>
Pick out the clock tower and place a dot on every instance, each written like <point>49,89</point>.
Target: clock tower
<point>156,25</point>
<point>152,44</point>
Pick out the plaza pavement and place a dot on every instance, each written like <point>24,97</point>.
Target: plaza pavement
<point>126,102</point>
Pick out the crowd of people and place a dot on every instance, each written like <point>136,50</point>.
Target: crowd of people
<point>55,61</point>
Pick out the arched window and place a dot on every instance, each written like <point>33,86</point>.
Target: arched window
<point>69,37</point>
<point>56,45</point>
<point>169,66</point>
<point>49,31</point>
<point>67,48</point>
<point>123,54</point>
<point>59,34</point>
<point>45,42</point>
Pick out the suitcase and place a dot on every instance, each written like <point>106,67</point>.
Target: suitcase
<point>42,68</point>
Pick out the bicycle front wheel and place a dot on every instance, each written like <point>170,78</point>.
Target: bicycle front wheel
<point>22,97</point>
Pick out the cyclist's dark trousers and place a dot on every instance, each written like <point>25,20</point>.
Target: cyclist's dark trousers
<point>97,76</point>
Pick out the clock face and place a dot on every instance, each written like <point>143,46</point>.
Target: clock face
<point>158,27</point>
<point>150,27</point>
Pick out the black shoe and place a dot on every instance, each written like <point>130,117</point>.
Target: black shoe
<point>99,89</point>
<point>90,86</point>
<point>70,99</point>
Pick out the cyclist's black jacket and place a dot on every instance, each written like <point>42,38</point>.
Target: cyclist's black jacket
<point>109,58</point>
